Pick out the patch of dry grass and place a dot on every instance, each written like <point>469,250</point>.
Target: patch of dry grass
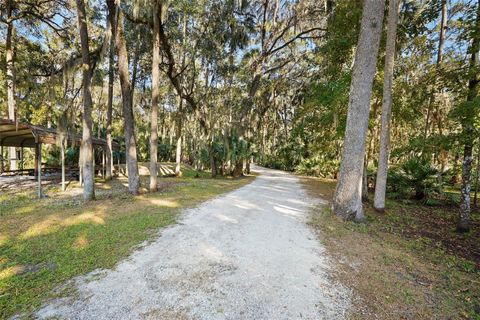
<point>395,275</point>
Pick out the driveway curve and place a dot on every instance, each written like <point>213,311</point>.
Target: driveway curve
<point>247,254</point>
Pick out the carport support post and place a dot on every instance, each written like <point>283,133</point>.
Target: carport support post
<point>35,165</point>
<point>62,155</point>
<point>38,161</point>
<point>22,161</point>
<point>1,159</point>
<point>103,163</point>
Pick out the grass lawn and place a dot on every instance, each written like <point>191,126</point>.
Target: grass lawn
<point>405,264</point>
<point>45,242</point>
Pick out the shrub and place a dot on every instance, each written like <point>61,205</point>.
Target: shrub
<point>318,167</point>
<point>417,177</point>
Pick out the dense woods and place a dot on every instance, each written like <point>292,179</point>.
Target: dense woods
<point>325,88</point>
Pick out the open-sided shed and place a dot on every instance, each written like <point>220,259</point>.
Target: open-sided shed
<point>24,135</point>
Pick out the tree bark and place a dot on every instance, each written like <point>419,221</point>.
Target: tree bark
<point>443,153</point>
<point>87,145</point>
<point>136,58</point>
<point>347,201</point>
<point>365,182</point>
<point>463,224</point>
<point>179,127</point>
<point>178,152</point>
<point>382,171</point>
<point>431,100</point>
<point>109,150</point>
<point>155,98</point>
<point>477,177</point>
<point>10,79</point>
<point>129,128</point>
<point>238,169</point>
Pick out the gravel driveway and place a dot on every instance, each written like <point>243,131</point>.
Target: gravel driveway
<point>245,255</point>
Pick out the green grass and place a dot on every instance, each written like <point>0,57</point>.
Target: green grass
<point>44,243</point>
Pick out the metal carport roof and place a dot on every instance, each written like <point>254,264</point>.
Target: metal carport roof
<point>27,135</point>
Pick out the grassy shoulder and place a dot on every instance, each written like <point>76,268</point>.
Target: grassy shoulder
<point>45,242</point>
<point>407,263</point>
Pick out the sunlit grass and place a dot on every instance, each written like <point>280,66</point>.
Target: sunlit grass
<point>45,242</point>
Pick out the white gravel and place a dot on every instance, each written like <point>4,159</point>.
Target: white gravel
<point>245,255</point>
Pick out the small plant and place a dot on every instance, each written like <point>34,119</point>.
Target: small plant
<point>318,166</point>
<point>417,177</point>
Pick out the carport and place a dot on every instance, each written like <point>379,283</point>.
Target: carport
<point>24,135</point>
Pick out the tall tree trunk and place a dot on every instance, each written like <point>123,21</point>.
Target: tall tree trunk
<point>443,31</point>
<point>179,127</point>
<point>136,58</point>
<point>463,224</point>
<point>347,201</point>
<point>213,164</point>
<point>9,54</point>
<point>477,177</point>
<point>130,142</point>
<point>382,171</point>
<point>365,182</point>
<point>109,150</point>
<point>155,97</point>
<point>87,145</point>
<point>178,152</point>
<point>431,99</point>
<point>443,153</point>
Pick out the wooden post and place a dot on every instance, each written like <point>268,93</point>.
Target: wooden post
<point>103,163</point>
<point>35,166</point>
<point>62,156</point>
<point>39,168</point>
<point>22,160</point>
<point>1,159</point>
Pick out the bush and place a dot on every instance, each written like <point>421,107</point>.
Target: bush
<point>166,151</point>
<point>417,177</point>
<point>318,167</point>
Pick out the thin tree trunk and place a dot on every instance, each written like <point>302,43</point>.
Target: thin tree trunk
<point>62,160</point>
<point>347,201</point>
<point>431,99</point>
<point>382,171</point>
<point>463,224</point>
<point>109,150</point>
<point>10,79</point>
<point>130,142</point>
<point>136,58</point>
<point>443,153</point>
<point>179,127</point>
<point>477,177</point>
<point>365,182</point>
<point>178,152</point>
<point>87,156</point>
<point>443,31</point>
<point>80,164</point>
<point>155,97</point>
<point>213,165</point>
